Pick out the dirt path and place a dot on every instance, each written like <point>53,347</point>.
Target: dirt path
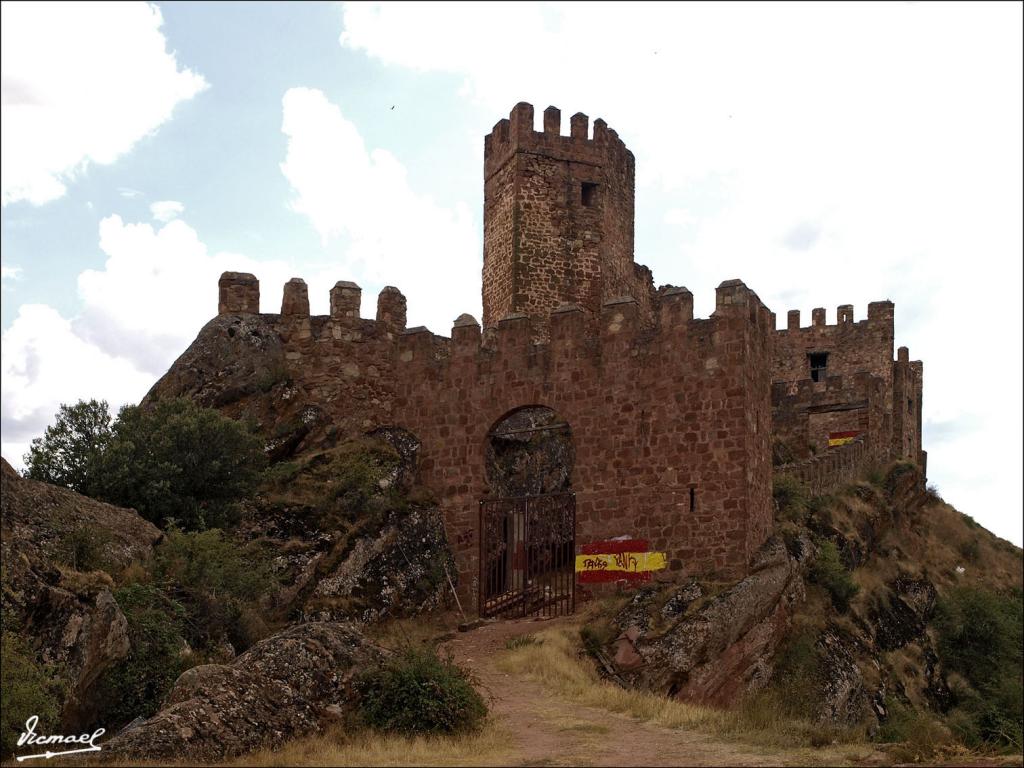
<point>549,730</point>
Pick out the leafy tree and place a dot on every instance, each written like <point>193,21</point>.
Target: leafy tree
<point>176,461</point>
<point>69,450</point>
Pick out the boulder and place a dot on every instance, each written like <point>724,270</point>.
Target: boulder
<point>289,685</point>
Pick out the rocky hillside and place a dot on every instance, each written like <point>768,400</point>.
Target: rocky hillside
<point>59,549</point>
<point>110,622</point>
<point>858,614</point>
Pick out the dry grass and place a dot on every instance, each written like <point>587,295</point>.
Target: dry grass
<point>492,745</point>
<point>555,663</point>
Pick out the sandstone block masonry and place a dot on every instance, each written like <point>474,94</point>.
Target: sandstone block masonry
<point>558,220</point>
<point>670,420</point>
<point>833,379</point>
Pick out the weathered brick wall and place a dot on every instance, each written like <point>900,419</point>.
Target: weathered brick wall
<point>853,347</point>
<point>671,418</point>
<point>654,413</point>
<point>805,412</point>
<point>546,241</point>
<point>855,350</point>
<point>341,364</point>
<point>832,470</point>
<point>908,384</point>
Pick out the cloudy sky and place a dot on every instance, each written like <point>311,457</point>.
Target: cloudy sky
<point>825,154</point>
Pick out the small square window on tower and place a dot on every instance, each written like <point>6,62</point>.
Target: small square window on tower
<point>588,194</point>
<point>819,362</point>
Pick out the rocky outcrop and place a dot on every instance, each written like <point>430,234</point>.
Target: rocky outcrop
<point>902,614</point>
<point>725,648</point>
<point>843,695</point>
<point>288,685</point>
<point>71,617</point>
<point>45,521</point>
<point>401,571</point>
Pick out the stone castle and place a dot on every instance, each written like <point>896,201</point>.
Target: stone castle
<point>585,380</point>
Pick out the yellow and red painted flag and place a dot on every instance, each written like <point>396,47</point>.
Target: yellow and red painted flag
<point>841,438</point>
<point>617,559</point>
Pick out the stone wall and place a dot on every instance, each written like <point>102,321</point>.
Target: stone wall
<point>908,385</point>
<point>670,424</point>
<point>806,412</point>
<point>831,470</point>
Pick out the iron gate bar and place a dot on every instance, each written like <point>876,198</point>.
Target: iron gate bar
<point>527,555</point>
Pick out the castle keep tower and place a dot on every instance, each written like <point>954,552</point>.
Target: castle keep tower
<point>558,219</point>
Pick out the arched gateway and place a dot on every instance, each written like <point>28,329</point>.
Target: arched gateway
<point>528,525</point>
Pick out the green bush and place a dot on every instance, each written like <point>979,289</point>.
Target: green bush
<point>416,692</point>
<point>136,687</point>
<point>791,499</point>
<point>919,735</point>
<point>68,452</point>
<point>218,583</point>
<point>596,637</point>
<point>83,549</point>
<point>896,471</point>
<point>970,550</point>
<point>828,571</point>
<point>178,462</point>
<point>26,688</point>
<point>359,473</point>
<point>798,672</point>
<point>980,635</point>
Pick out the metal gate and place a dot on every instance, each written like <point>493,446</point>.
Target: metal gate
<point>528,555</point>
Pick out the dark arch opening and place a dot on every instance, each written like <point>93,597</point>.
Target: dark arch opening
<point>529,453</point>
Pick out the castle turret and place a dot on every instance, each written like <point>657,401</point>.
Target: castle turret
<point>558,219</point>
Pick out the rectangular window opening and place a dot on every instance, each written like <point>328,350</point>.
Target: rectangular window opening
<point>693,498</point>
<point>588,194</point>
<point>819,362</point>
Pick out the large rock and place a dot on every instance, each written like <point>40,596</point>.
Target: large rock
<point>288,685</point>
<point>71,618</point>
<point>725,648</point>
<point>398,571</point>
<point>44,518</point>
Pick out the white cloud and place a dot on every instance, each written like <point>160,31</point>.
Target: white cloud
<point>165,210</point>
<point>157,288</point>
<point>395,235</point>
<point>10,272</point>
<point>45,363</point>
<point>825,154</point>
<point>82,83</point>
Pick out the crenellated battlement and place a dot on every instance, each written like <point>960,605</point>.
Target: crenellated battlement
<point>621,328</point>
<point>878,312</point>
<point>621,335</point>
<point>516,134</point>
